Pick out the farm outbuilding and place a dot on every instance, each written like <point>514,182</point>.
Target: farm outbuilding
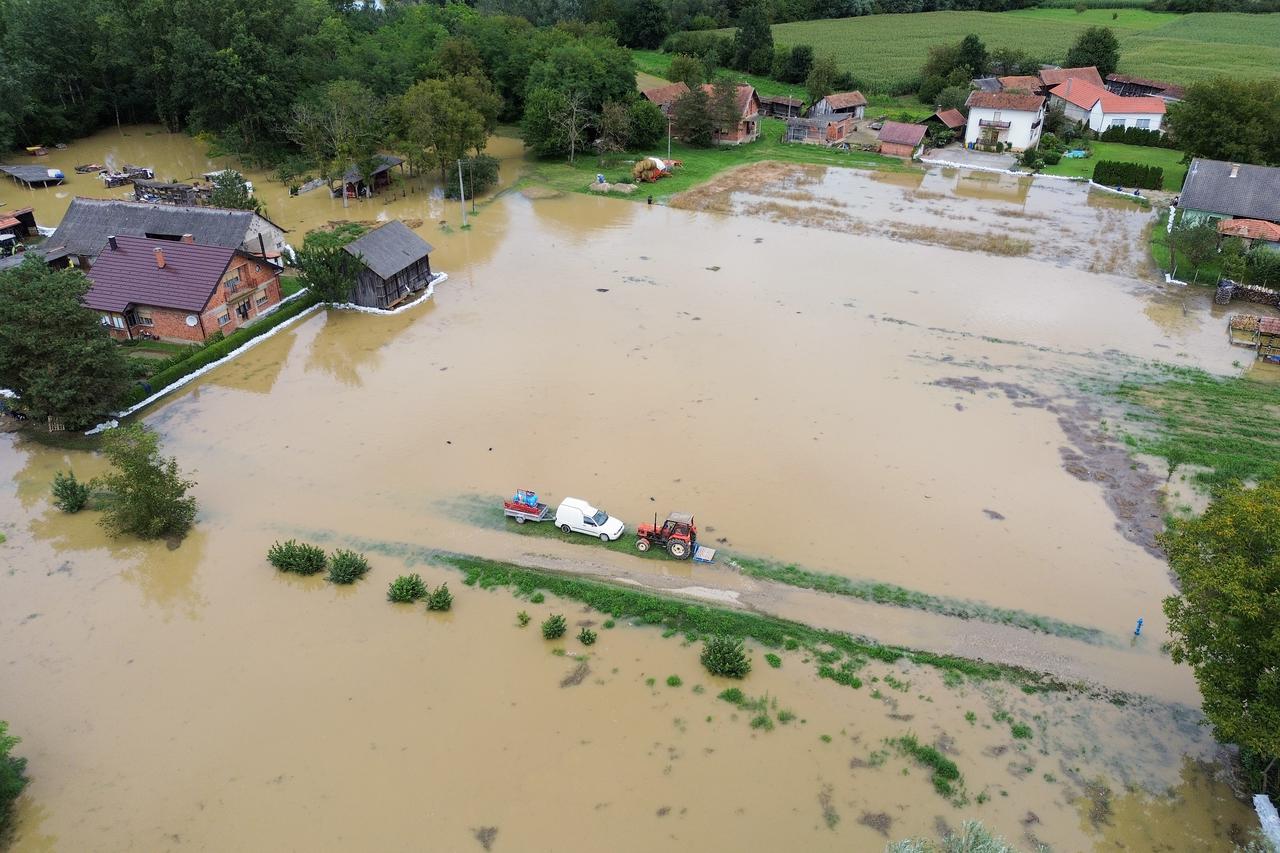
<point>780,106</point>
<point>397,265</point>
<point>34,176</point>
<point>898,139</point>
<point>355,183</point>
<point>665,96</point>
<point>852,104</point>
<point>819,130</point>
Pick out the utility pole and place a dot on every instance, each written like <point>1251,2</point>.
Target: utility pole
<point>668,136</point>
<point>471,173</point>
<point>462,191</point>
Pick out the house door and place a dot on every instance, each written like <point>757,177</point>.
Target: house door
<point>242,310</point>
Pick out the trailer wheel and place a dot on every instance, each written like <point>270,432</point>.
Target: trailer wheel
<point>565,528</point>
<point>677,549</point>
<point>519,519</point>
<point>642,544</point>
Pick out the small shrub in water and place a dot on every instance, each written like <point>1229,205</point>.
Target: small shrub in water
<point>785,716</point>
<point>762,721</point>
<point>1021,731</point>
<point>554,627</point>
<point>522,619</point>
<point>586,636</point>
<point>726,656</point>
<point>674,681</point>
<point>407,588</point>
<point>347,566</point>
<point>297,557</point>
<point>69,494</point>
<point>773,660</point>
<point>733,695</point>
<point>608,623</point>
<point>537,598</point>
<point>440,598</point>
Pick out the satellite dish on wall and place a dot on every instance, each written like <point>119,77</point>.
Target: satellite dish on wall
<point>192,319</point>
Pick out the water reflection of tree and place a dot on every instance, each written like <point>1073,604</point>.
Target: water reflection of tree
<point>258,369</point>
<point>29,822</point>
<point>352,342</point>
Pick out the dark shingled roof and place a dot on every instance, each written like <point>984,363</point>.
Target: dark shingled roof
<point>1254,193</point>
<point>1004,101</point>
<point>128,275</point>
<point>89,221</point>
<point>353,174</point>
<point>898,133</point>
<point>389,248</point>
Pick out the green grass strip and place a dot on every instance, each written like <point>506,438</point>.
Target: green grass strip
<point>897,596</point>
<point>700,620</point>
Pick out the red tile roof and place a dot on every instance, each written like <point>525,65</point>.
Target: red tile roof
<point>898,133</point>
<point>128,275</point>
<point>1027,82</point>
<point>1005,101</point>
<point>1085,95</point>
<point>665,96</point>
<point>845,100</point>
<point>745,93</point>
<point>953,119</point>
<point>1250,229</point>
<point>1054,76</point>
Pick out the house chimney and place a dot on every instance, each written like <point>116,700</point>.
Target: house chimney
<point>1235,170</point>
<point>159,257</point>
<point>112,242</point>
<point>188,238</point>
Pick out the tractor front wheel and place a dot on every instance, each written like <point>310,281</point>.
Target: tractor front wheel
<point>678,549</point>
<point>642,544</point>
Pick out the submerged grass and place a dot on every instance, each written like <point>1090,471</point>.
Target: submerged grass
<point>1226,427</point>
<point>897,596</point>
<point>700,620</point>
<point>946,777</point>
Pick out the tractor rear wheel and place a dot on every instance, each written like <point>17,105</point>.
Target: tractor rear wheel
<point>678,549</point>
<point>642,544</point>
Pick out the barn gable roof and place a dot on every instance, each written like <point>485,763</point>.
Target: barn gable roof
<point>389,248</point>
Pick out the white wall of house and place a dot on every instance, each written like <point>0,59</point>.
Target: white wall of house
<point>1100,121</point>
<point>1024,126</point>
<point>1070,110</point>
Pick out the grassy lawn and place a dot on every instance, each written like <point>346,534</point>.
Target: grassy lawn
<point>289,285</point>
<point>653,64</point>
<point>1207,274</point>
<point>1165,158</point>
<point>885,52</point>
<point>703,164</point>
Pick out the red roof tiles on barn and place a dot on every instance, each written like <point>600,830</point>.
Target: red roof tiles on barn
<point>898,133</point>
<point>1250,229</point>
<point>1054,76</point>
<point>953,119</point>
<point>845,100</point>
<point>665,96</point>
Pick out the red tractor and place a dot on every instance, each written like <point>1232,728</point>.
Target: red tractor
<point>677,534</point>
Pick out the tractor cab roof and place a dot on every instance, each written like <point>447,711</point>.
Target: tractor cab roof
<point>680,518</point>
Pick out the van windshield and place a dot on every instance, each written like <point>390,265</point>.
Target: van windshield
<point>600,517</point>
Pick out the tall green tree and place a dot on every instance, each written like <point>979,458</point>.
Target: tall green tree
<point>231,190</point>
<point>644,24</point>
<point>1095,46</point>
<point>541,128</point>
<point>439,124</point>
<point>54,352</point>
<point>973,55</point>
<point>1229,119</point>
<point>691,118</point>
<point>1225,620</point>
<point>822,78</point>
<point>327,269</point>
<point>648,124</point>
<point>146,493</point>
<point>688,70</point>
<point>725,115</point>
<point>753,42</point>
<point>339,126</point>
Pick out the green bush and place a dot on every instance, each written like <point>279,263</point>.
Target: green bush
<point>674,681</point>
<point>440,598</point>
<point>522,619</point>
<point>554,627</point>
<point>537,598</point>
<point>1021,731</point>
<point>1137,136</point>
<point>733,695</point>
<point>69,494</point>
<point>1051,158</point>
<point>724,655</point>
<point>297,557</point>
<point>347,567</point>
<point>407,588</point>
<point>1111,173</point>
<point>773,660</point>
<point>762,721</point>
<point>480,174</point>
<point>13,777</point>
<point>586,636</point>
<point>214,350</point>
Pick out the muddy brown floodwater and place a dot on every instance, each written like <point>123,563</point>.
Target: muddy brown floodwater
<point>835,399</point>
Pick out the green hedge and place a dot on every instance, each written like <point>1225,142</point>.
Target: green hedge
<point>215,350</point>
<point>1111,173</point>
<point>1138,136</point>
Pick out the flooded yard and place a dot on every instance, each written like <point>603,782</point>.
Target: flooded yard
<point>872,405</point>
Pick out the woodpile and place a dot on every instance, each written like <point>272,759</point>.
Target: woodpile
<point>1244,322</point>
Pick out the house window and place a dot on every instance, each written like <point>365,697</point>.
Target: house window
<point>106,320</point>
<point>118,321</point>
<point>233,282</point>
<point>1117,122</point>
<point>261,297</point>
<point>142,317</point>
<point>1144,124</point>
<point>223,319</point>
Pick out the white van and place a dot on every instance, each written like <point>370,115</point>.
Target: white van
<point>578,516</point>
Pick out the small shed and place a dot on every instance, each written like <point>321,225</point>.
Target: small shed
<point>34,176</point>
<point>164,192</point>
<point>901,140</point>
<point>946,120</point>
<point>20,223</point>
<point>853,104</point>
<point>827,130</point>
<point>781,106</point>
<point>355,183</point>
<point>396,266</point>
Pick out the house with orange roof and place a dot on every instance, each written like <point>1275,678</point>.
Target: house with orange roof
<point>1003,119</point>
<point>665,96</point>
<point>1100,109</point>
<point>747,128</point>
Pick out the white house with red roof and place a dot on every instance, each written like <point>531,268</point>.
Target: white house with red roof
<point>1100,109</point>
<point>1012,119</point>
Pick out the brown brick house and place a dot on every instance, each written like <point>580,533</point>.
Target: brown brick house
<point>748,127</point>
<point>178,290</point>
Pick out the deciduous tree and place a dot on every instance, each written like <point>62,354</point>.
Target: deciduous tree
<point>230,190</point>
<point>147,494</point>
<point>54,352</point>
<point>440,123</point>
<point>687,69</point>
<point>822,78</point>
<point>753,42</point>
<point>1229,119</point>
<point>648,124</point>
<point>691,118</point>
<point>644,24</point>
<point>1095,46</point>
<point>1225,620</point>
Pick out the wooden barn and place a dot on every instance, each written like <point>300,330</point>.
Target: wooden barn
<point>852,104</point>
<point>780,106</point>
<point>396,263</point>
<point>898,139</point>
<point>356,184</point>
<point>827,130</point>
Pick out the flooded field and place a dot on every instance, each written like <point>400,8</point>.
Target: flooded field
<point>865,406</point>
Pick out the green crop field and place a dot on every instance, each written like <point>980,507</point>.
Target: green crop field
<point>884,52</point>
